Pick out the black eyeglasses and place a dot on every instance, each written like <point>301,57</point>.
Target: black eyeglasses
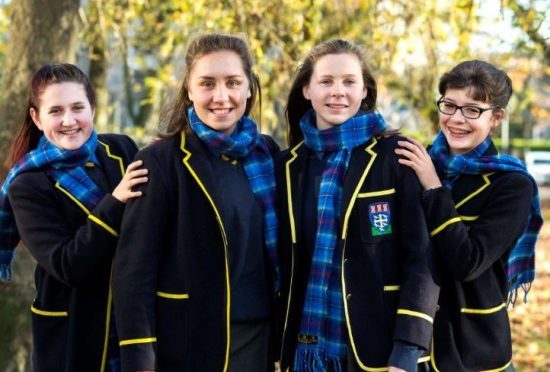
<point>469,112</point>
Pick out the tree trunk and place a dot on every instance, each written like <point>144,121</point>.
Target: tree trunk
<point>40,32</point>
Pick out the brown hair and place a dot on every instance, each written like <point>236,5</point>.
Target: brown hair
<point>298,105</point>
<point>484,82</point>
<point>177,113</point>
<point>28,135</point>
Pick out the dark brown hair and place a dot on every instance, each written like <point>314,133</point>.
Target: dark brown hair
<point>28,135</point>
<point>484,82</point>
<point>298,105</point>
<point>177,120</point>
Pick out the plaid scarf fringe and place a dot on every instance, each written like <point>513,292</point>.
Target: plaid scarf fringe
<point>520,268</point>
<point>65,167</point>
<point>323,311</point>
<point>247,144</point>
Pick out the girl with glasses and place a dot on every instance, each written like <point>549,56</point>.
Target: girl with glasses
<point>355,252</point>
<point>483,213</point>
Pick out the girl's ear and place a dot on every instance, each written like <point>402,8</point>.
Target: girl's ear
<point>305,92</point>
<point>35,118</point>
<point>497,118</point>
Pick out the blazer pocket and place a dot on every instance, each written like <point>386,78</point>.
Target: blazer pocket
<point>49,332</point>
<point>172,326</point>
<point>376,213</point>
<point>485,338</point>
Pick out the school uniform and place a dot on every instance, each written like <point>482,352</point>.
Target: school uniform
<point>473,227</point>
<point>388,284</point>
<point>73,247</point>
<point>179,257</point>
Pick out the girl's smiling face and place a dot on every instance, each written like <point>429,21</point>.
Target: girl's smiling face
<point>336,89</point>
<point>65,115</point>
<point>219,89</point>
<point>463,134</point>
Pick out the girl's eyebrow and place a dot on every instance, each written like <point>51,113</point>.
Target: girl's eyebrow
<point>206,77</point>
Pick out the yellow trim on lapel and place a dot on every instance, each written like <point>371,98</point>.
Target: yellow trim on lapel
<point>173,296</point>
<point>103,224</point>
<point>359,184</point>
<point>48,313</point>
<point>483,187</point>
<point>289,192</point>
<point>469,218</point>
<point>224,238</point>
<point>107,322</point>
<point>86,210</point>
<point>376,193</point>
<point>112,156</point>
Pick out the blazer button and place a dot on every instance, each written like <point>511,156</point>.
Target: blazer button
<point>345,260</point>
<point>348,296</point>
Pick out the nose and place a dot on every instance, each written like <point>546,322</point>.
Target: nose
<point>68,118</point>
<point>337,90</point>
<point>220,94</point>
<point>458,116</point>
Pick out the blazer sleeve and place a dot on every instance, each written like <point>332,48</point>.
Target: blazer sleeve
<point>136,269</point>
<point>72,257</point>
<point>419,289</point>
<point>470,249</point>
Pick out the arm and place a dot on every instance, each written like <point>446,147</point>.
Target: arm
<point>143,234</point>
<point>469,250</point>
<point>419,292</point>
<point>71,256</point>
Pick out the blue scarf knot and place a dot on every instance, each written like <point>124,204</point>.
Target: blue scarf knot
<point>520,268</point>
<point>322,338</point>
<point>247,144</point>
<point>63,166</point>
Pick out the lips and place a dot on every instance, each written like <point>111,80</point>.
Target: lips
<point>458,132</point>
<point>70,132</point>
<point>336,106</point>
<point>221,111</point>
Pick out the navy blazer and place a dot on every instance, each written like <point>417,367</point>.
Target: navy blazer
<point>73,248</point>
<point>171,278</point>
<point>473,228</point>
<point>388,281</point>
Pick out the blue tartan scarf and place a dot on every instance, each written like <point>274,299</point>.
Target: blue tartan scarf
<point>63,166</point>
<point>247,144</point>
<point>520,268</point>
<point>322,337</point>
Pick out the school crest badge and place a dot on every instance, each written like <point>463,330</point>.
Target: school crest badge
<point>380,218</point>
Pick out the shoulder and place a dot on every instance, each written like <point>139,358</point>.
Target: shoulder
<point>517,181</point>
<point>389,141</point>
<point>119,144</point>
<point>287,154</point>
<point>161,149</point>
<point>33,182</point>
<point>272,146</point>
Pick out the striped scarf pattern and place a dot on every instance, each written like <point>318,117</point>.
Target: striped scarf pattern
<point>322,337</point>
<point>247,144</point>
<point>520,268</point>
<point>63,166</point>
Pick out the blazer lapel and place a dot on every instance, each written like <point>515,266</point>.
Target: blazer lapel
<point>111,163</point>
<point>362,159</point>
<point>197,163</point>
<point>294,178</point>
